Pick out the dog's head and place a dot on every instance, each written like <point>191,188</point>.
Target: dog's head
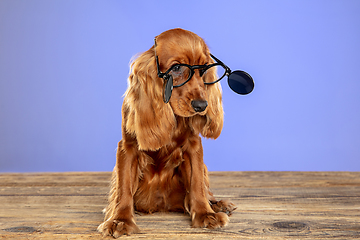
<point>178,46</point>
<point>151,119</point>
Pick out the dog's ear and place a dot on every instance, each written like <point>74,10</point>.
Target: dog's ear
<point>215,113</point>
<point>211,124</point>
<point>148,118</point>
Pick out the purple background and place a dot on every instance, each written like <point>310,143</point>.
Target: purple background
<point>64,67</point>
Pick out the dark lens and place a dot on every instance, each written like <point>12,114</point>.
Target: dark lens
<point>241,82</point>
<point>168,87</point>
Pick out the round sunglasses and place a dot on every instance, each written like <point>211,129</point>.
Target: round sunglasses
<point>179,74</point>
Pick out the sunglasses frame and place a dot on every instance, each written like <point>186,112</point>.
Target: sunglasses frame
<point>168,79</point>
<point>192,68</point>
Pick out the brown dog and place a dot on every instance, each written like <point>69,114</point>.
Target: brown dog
<point>159,164</point>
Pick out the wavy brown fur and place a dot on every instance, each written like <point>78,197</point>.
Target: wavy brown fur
<point>159,164</point>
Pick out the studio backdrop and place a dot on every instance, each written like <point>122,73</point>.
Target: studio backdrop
<point>64,68</point>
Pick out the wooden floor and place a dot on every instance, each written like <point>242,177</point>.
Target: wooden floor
<point>271,205</point>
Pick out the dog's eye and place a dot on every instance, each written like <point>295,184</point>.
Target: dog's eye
<point>176,68</point>
<point>180,74</point>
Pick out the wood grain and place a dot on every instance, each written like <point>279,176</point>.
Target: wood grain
<point>271,205</point>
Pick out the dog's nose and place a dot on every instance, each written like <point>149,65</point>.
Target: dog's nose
<point>199,105</point>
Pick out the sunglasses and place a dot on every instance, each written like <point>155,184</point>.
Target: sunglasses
<point>179,74</point>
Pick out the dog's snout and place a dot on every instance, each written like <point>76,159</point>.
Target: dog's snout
<point>199,105</point>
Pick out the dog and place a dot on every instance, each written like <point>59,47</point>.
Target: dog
<point>159,164</point>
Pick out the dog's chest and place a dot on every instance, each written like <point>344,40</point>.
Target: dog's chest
<point>160,189</point>
<point>160,182</point>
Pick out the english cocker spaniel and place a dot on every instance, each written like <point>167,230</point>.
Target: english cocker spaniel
<point>159,165</point>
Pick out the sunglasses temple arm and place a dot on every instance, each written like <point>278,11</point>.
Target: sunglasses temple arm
<point>228,70</point>
<point>160,74</point>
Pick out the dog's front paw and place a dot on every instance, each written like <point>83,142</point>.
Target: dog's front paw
<point>223,206</point>
<point>210,220</point>
<point>117,228</point>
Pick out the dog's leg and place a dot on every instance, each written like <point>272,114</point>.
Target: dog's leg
<point>218,206</point>
<point>119,215</point>
<point>197,202</point>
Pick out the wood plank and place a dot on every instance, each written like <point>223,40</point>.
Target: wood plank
<point>271,205</point>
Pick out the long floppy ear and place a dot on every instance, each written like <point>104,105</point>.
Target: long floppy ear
<point>211,124</point>
<point>148,118</point>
